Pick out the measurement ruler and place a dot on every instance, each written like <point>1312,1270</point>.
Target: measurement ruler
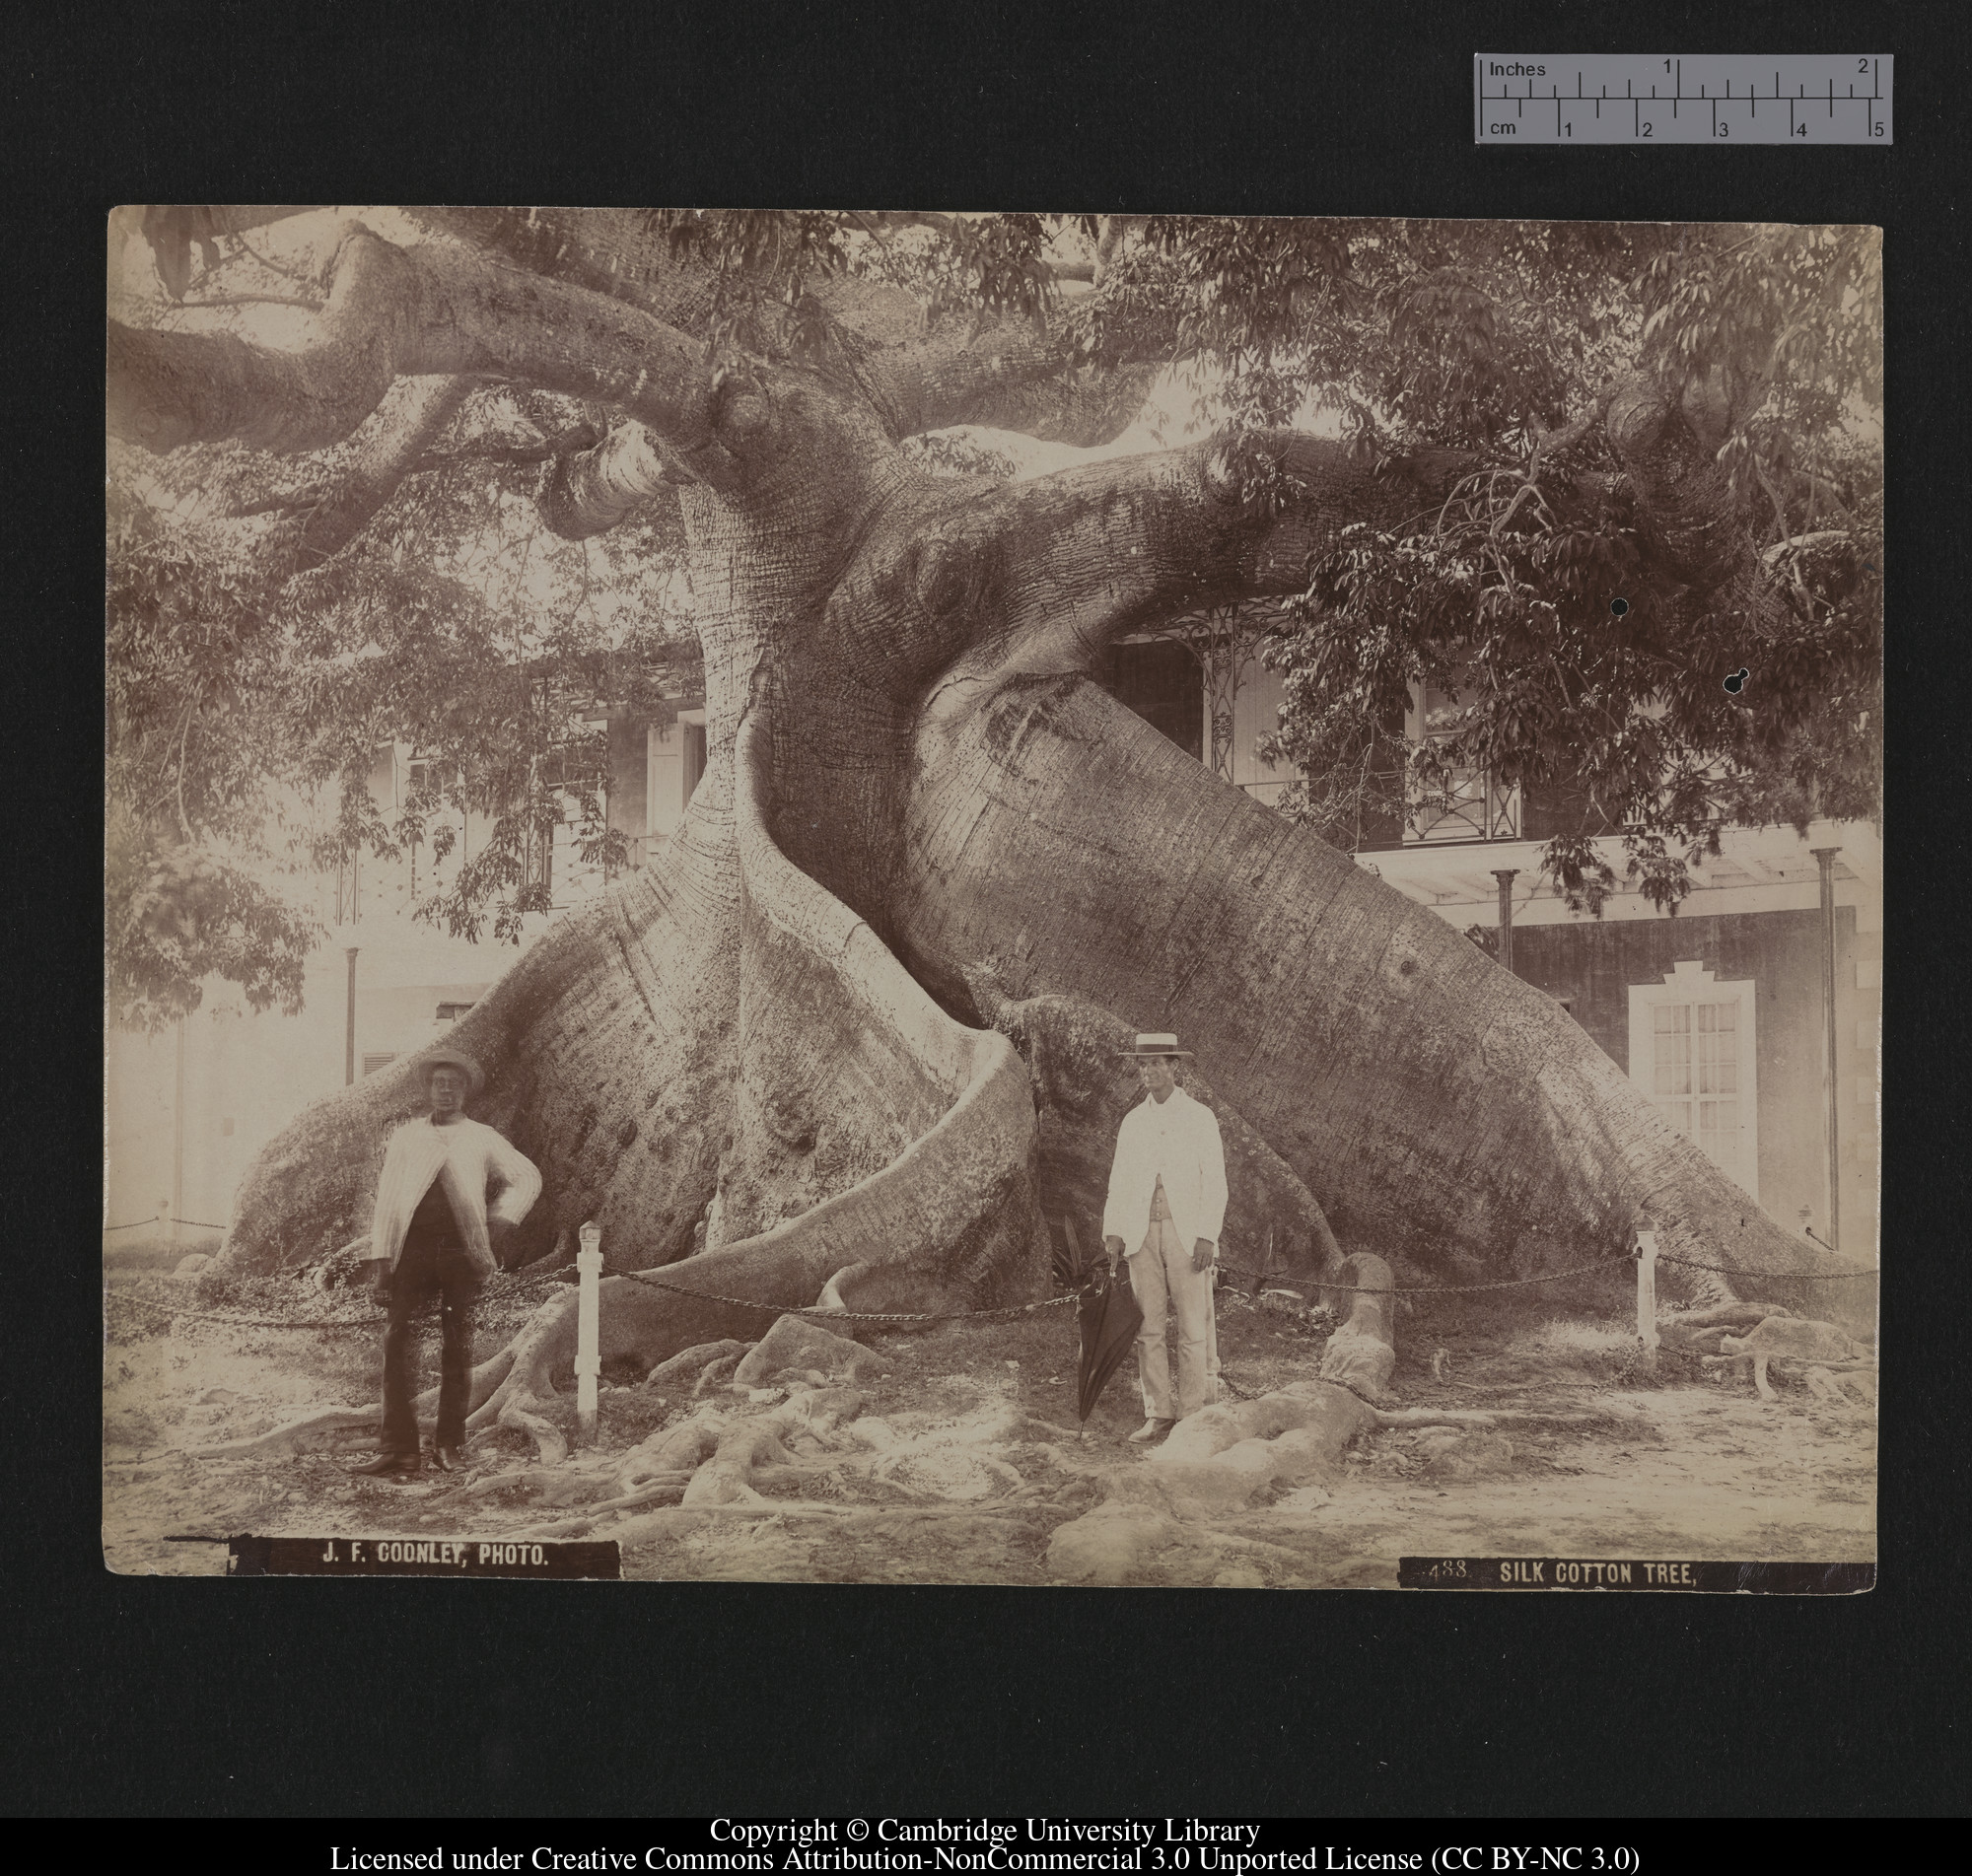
<point>1570,98</point>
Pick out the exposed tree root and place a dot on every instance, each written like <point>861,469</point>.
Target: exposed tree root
<point>667,1489</point>
<point>1444,1417</point>
<point>714,1374</point>
<point>679,1520</point>
<point>692,1361</point>
<point>326,1420</point>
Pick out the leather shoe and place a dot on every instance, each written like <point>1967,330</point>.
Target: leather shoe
<point>1151,1432</point>
<point>449,1458</point>
<point>388,1466</point>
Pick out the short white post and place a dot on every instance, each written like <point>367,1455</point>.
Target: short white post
<point>1647,1296</point>
<point>166,1227</point>
<point>587,1358</point>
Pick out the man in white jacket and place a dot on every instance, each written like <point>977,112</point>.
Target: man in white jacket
<point>433,1234</point>
<point>1168,1200</point>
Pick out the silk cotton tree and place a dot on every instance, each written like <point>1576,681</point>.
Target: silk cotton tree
<point>851,1034</point>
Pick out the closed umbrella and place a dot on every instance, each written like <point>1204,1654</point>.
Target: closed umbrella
<point>1108,1318</point>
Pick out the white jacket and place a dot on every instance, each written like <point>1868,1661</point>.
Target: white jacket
<point>1175,1139</point>
<point>465,1158</point>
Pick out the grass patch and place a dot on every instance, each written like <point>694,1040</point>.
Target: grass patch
<point>1598,1349</point>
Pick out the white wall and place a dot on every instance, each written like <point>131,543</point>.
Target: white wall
<point>248,1075</point>
<point>665,794</point>
<point>1256,714</point>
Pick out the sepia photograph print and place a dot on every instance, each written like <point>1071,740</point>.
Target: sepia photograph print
<point>992,899</point>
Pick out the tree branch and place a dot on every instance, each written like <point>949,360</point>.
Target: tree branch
<point>1076,560</point>
<point>587,492</point>
<point>1008,376</point>
<point>397,312</point>
<point>380,469</point>
<point>1684,507</point>
<point>515,455</point>
<point>171,232</point>
<point>1007,373</point>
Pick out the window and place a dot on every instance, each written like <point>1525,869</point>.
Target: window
<point>694,757</point>
<point>1695,1066</point>
<point>1472,804</point>
<point>1691,1052</point>
<point>575,772</point>
<point>1163,683</point>
<point>372,1063</point>
<point>537,858</point>
<point>420,775</point>
<point>450,1013</point>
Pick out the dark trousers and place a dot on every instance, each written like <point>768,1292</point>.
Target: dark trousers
<point>431,1266</point>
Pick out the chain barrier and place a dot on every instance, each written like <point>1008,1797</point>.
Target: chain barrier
<point>368,1325</point>
<point>1004,1309</point>
<point>1773,1276</point>
<point>1447,1290</point>
<point>1521,1282</point>
<point>838,1315</point>
<point>197,1224</point>
<point>1008,1309</point>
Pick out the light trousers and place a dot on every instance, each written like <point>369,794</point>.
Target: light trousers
<point>1161,1277</point>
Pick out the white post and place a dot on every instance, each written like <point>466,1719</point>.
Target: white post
<point>178,1134</point>
<point>1647,1296</point>
<point>165,1229</point>
<point>587,1358</point>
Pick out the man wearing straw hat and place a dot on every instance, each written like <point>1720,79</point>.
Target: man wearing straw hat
<point>1168,1198</point>
<point>433,1235</point>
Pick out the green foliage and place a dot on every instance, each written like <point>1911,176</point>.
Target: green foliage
<point>176,913</point>
<point>1580,656</point>
<point>247,703</point>
<point>762,264</point>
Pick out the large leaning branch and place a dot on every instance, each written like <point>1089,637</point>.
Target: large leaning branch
<point>1078,559</point>
<point>1007,371</point>
<point>393,312</point>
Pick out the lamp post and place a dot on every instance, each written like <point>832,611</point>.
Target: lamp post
<point>346,935</point>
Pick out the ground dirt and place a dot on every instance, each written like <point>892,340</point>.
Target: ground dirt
<point>965,1455</point>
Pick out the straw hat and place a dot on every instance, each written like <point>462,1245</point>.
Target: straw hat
<point>444,1058</point>
<point>1152,1045</point>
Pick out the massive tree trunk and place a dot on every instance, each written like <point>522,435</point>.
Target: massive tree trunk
<point>789,1029</point>
<point>1443,1113</point>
